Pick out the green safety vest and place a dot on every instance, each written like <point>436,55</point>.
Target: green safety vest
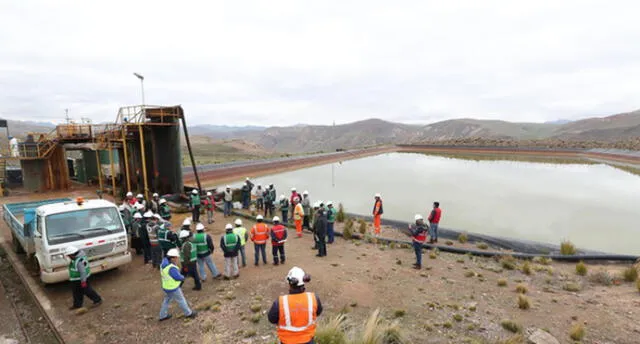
<point>331,215</point>
<point>168,283</point>
<point>74,274</point>
<point>165,211</point>
<point>200,240</point>
<point>230,240</point>
<point>195,200</point>
<point>194,252</point>
<point>165,243</point>
<point>242,233</point>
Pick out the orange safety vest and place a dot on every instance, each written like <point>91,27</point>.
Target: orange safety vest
<point>260,233</point>
<point>298,212</point>
<point>297,322</point>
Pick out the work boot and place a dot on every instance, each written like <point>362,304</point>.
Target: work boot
<point>275,263</point>
<point>417,267</point>
<point>192,315</point>
<point>165,318</point>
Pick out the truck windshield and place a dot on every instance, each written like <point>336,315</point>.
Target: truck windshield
<point>82,224</point>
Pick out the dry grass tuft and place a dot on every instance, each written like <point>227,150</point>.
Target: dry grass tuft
<point>332,331</point>
<point>399,313</point>
<point>577,332</point>
<point>581,269</point>
<point>601,277</point>
<point>482,245</point>
<point>526,268</point>
<point>508,262</point>
<point>502,282</point>
<point>347,231</point>
<point>630,274</point>
<point>362,226</point>
<point>567,248</point>
<point>511,326</point>
<point>463,238</point>
<point>521,289</point>
<point>340,215</point>
<point>572,287</point>
<point>543,260</point>
<point>523,302</point>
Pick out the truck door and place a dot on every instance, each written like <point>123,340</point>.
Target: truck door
<point>37,233</point>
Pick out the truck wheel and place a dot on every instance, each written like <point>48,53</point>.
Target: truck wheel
<point>16,244</point>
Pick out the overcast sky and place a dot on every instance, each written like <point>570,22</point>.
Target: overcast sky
<point>285,62</point>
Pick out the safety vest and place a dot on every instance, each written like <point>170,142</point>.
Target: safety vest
<point>230,241</point>
<point>165,211</point>
<point>162,237</point>
<point>74,274</point>
<point>422,237</point>
<point>209,202</point>
<point>297,322</point>
<point>260,233</point>
<point>298,212</point>
<point>331,215</point>
<point>278,232</point>
<point>194,252</point>
<point>168,283</point>
<point>377,208</point>
<point>437,213</point>
<point>200,240</point>
<point>153,236</point>
<point>242,233</point>
<point>195,200</point>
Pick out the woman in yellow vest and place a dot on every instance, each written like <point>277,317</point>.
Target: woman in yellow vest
<point>295,314</point>
<point>171,281</point>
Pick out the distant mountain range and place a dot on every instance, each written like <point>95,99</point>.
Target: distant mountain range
<point>370,132</point>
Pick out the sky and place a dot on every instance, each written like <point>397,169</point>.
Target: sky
<point>276,63</point>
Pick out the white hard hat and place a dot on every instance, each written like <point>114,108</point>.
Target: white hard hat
<point>139,196</point>
<point>194,191</point>
<point>316,204</point>
<point>329,203</point>
<point>70,250</point>
<point>137,216</point>
<point>129,194</point>
<point>121,207</point>
<point>139,206</point>
<point>320,203</point>
<point>276,219</point>
<point>281,196</point>
<point>293,189</point>
<point>173,253</point>
<point>418,217</point>
<point>199,227</point>
<point>228,187</point>
<point>247,178</point>
<point>157,216</point>
<point>187,222</point>
<point>259,217</point>
<point>305,192</point>
<point>184,234</point>
<point>162,201</point>
<point>259,185</point>
<point>155,195</point>
<point>209,193</point>
<point>238,222</point>
<point>296,276</point>
<point>377,195</point>
<point>228,226</point>
<point>148,214</point>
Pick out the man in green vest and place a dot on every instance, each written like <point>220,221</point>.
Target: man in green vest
<point>194,205</point>
<point>79,272</point>
<point>165,210</point>
<point>204,247</point>
<point>171,282</point>
<point>242,233</point>
<point>189,257</point>
<point>168,239</point>
<point>230,244</point>
<point>331,219</point>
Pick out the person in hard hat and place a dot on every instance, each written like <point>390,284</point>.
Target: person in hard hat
<point>153,226</point>
<point>270,200</point>
<point>209,205</point>
<point>130,199</point>
<point>246,193</point>
<point>434,222</point>
<point>419,236</point>
<point>189,258</point>
<point>278,238</point>
<point>168,239</point>
<point>259,236</point>
<point>186,224</point>
<point>230,245</point>
<point>142,203</point>
<point>315,208</point>
<point>298,215</point>
<point>155,203</point>
<point>244,236</point>
<point>79,272</point>
<point>295,314</point>
<point>13,147</point>
<point>194,205</point>
<point>205,248</point>
<point>292,201</point>
<point>284,208</point>
<point>144,237</point>
<point>228,200</point>
<point>136,225</point>
<point>306,207</point>
<point>259,197</point>
<point>377,214</point>
<point>172,281</point>
<point>320,228</point>
<point>331,219</point>
<point>125,213</point>
<point>165,210</point>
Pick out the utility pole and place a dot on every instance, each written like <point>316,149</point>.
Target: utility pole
<point>139,76</point>
<point>333,166</point>
<point>66,115</point>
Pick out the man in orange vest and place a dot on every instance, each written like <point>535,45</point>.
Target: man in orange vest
<point>377,214</point>
<point>295,314</point>
<point>259,236</point>
<point>419,236</point>
<point>278,238</point>
<point>298,216</point>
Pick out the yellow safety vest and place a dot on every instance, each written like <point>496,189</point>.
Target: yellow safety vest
<point>168,283</point>
<point>242,233</point>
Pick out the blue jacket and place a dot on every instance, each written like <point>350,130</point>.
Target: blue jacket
<point>174,272</point>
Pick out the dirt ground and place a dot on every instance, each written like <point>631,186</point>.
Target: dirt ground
<point>356,277</point>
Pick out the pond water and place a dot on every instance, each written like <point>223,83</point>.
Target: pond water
<point>594,205</point>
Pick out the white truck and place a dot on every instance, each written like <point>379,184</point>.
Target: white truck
<point>44,229</point>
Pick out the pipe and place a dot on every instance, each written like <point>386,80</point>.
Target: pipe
<point>126,158</point>
<point>113,177</point>
<point>193,161</point>
<point>144,162</point>
<point>99,169</point>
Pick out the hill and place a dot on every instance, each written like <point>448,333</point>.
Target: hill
<point>21,128</point>
<point>611,128</point>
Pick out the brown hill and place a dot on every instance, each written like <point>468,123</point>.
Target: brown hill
<point>612,128</point>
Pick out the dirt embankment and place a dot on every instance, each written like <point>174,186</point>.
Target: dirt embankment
<point>632,144</point>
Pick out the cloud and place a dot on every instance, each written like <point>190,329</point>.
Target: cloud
<point>288,62</point>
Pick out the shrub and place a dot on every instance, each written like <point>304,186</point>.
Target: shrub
<point>523,302</point>
<point>255,308</point>
<point>630,274</point>
<point>372,332</point>
<point>362,226</point>
<point>577,332</point>
<point>432,255</point>
<point>256,318</point>
<point>508,262</point>
<point>601,277</point>
<point>457,317</point>
<point>572,287</point>
<point>511,326</point>
<point>340,216</point>
<point>332,331</point>
<point>526,268</point>
<point>393,335</point>
<point>521,289</point>
<point>463,238</point>
<point>469,274</point>
<point>399,313</point>
<point>482,246</point>
<point>543,260</point>
<point>448,324</point>
<point>347,232</point>
<point>516,339</point>
<point>502,282</point>
<point>567,248</point>
<point>581,269</point>
<point>638,284</point>
<point>448,242</point>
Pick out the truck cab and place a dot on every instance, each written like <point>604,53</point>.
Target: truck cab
<point>93,226</point>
